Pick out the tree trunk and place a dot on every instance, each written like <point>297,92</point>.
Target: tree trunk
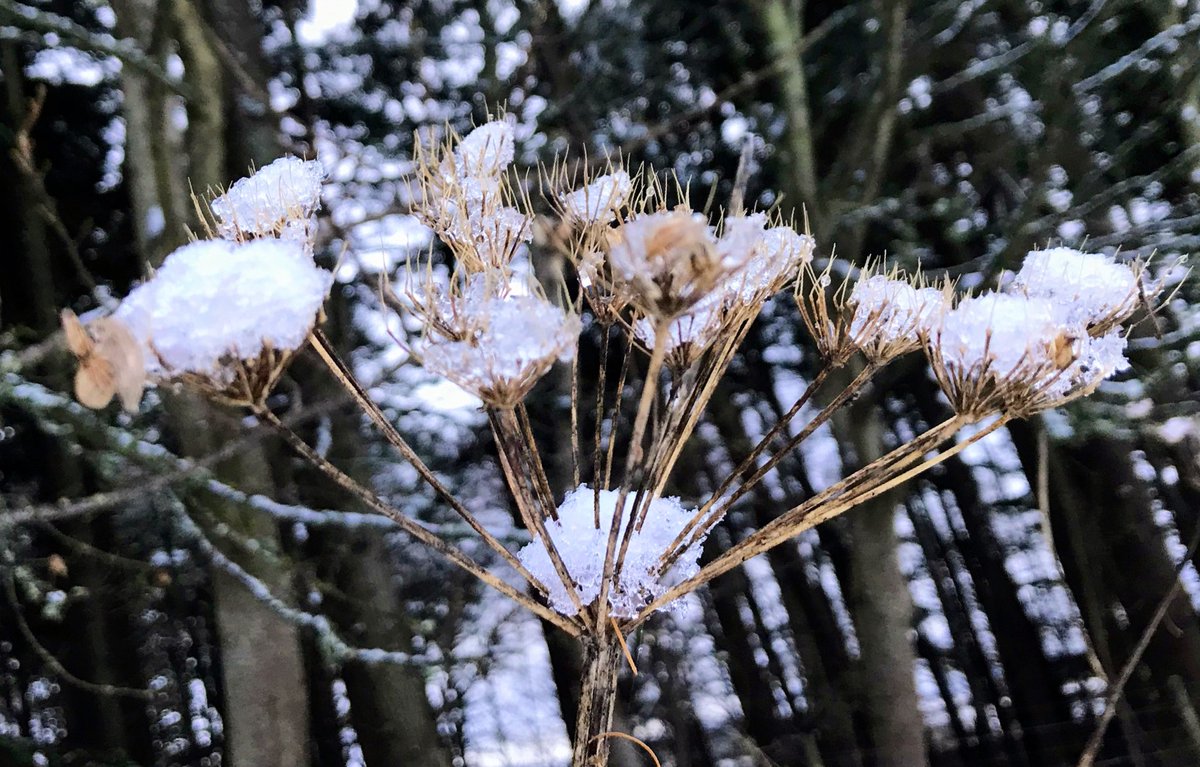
<point>878,598</point>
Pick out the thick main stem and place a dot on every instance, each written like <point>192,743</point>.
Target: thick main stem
<point>602,658</point>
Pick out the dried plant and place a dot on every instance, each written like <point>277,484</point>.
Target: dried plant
<point>675,296</point>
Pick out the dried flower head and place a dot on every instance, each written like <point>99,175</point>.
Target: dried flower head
<point>279,200</point>
<point>466,198</point>
<point>496,341</point>
<point>111,362</point>
<point>1014,353</point>
<point>825,312</point>
<point>227,316</point>
<point>891,314</point>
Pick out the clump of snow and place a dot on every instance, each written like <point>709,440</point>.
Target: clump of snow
<point>505,343</point>
<point>998,334</point>
<point>697,327</point>
<point>1087,288</point>
<point>582,546</point>
<point>214,300</point>
<point>485,151</point>
<point>288,190</point>
<point>599,201</point>
<point>892,311</point>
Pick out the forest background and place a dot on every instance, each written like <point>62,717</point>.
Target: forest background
<point>177,589</point>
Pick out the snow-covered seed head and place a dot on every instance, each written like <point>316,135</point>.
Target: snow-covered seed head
<point>597,203</point>
<point>279,200</point>
<point>665,262</point>
<point>227,316</point>
<point>1014,353</point>
<point>494,341</point>
<point>466,197</point>
<point>892,313</point>
<point>583,544</point>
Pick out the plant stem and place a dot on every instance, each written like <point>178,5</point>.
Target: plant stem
<point>602,659</point>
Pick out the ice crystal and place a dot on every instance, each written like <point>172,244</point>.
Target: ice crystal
<point>1095,359</point>
<point>486,151</point>
<point>582,546</point>
<point>599,201</point>
<point>288,190</point>
<point>214,300</point>
<point>1087,288</point>
<point>503,344</point>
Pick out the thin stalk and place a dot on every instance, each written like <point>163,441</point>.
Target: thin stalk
<point>575,418</point>
<point>616,412</point>
<point>706,516</point>
<point>632,460</point>
<point>534,459</point>
<point>597,453</point>
<point>823,506</point>
<point>507,436</point>
<point>415,529</point>
<point>350,384</point>
<point>697,401</point>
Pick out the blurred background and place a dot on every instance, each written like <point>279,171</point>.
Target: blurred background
<point>177,589</point>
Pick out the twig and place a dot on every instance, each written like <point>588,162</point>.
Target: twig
<point>1092,749</point>
<point>52,662</point>
<point>44,22</point>
<point>415,529</point>
<point>343,375</point>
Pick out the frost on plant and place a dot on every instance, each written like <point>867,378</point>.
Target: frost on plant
<point>1085,288</point>
<point>499,344</point>
<point>582,544</point>
<point>278,200</point>
<point>642,273</point>
<point>215,300</point>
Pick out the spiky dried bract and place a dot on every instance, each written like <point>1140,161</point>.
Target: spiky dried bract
<point>468,201</point>
<point>277,201</point>
<point>582,545</point>
<point>824,310</point>
<point>227,315</point>
<point>495,342</point>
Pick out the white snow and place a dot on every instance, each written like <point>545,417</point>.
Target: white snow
<point>599,201</point>
<point>583,546</point>
<point>997,334</point>
<point>288,191</point>
<point>507,342</point>
<point>1085,288</point>
<point>216,299</point>
<point>485,151</point>
<point>889,311</point>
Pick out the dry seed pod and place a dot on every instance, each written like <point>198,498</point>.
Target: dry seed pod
<point>110,361</point>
